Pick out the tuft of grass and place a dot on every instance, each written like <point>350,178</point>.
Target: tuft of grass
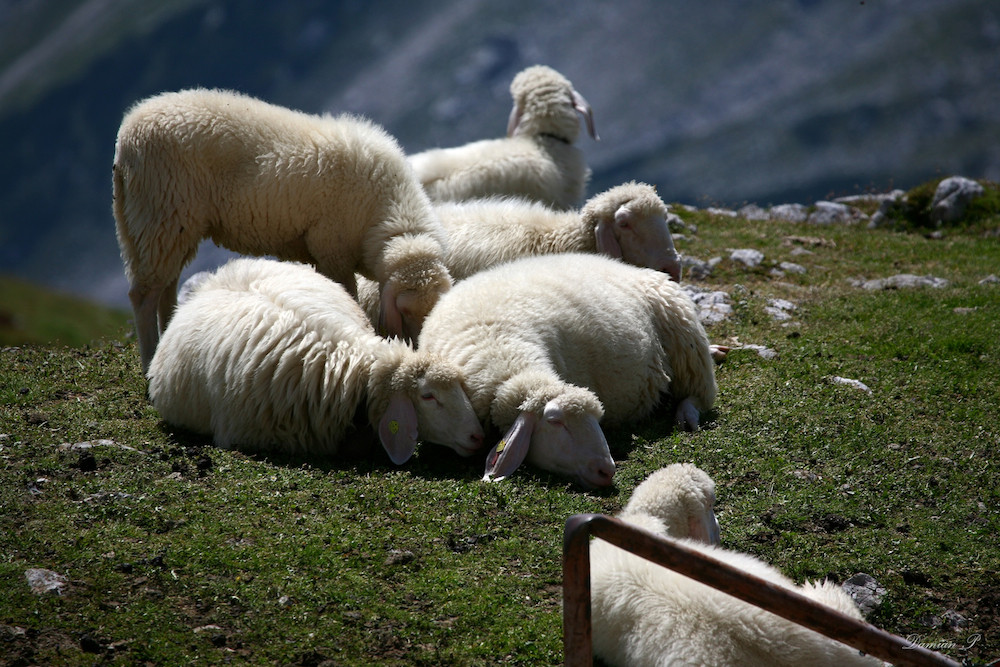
<point>913,211</point>
<point>175,552</point>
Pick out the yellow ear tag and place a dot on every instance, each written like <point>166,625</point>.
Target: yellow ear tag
<point>500,447</point>
<point>393,426</point>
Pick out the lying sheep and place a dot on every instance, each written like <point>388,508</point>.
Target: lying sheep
<point>645,614</point>
<point>272,356</point>
<point>260,179</point>
<point>537,160</point>
<point>627,335</point>
<point>628,221</point>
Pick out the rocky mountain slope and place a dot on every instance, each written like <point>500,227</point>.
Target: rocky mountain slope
<point>765,101</point>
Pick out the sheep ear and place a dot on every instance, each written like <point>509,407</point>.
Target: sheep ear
<point>581,105</point>
<point>688,415</point>
<point>705,528</point>
<point>512,448</point>
<point>397,429</point>
<point>390,319</point>
<point>513,120</point>
<point>607,244</point>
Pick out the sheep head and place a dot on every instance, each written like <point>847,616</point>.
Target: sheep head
<point>417,277</point>
<point>682,496</point>
<point>630,223</point>
<point>545,102</point>
<point>425,396</point>
<point>556,428</point>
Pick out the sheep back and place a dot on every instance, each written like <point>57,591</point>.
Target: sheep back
<point>645,614</point>
<point>628,334</point>
<point>260,179</point>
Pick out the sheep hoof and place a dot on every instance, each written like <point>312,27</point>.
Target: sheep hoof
<point>688,415</point>
<point>718,352</point>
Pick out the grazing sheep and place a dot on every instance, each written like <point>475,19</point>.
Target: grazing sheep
<point>537,160</point>
<point>645,614</point>
<point>272,356</point>
<point>627,335</point>
<point>261,179</point>
<point>628,221</point>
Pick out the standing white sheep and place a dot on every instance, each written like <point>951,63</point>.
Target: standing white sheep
<point>265,180</point>
<point>272,356</point>
<point>647,615</point>
<point>628,221</point>
<point>627,335</point>
<point>538,159</point>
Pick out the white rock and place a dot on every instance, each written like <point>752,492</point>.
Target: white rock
<point>748,257</point>
<point>901,281</point>
<point>44,581</point>
<point>713,307</point>
<point>789,212</point>
<point>952,197</point>
<point>828,213</point>
<point>857,384</point>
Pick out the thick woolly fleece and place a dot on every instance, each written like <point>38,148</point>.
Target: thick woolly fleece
<point>628,335</point>
<point>537,160</point>
<point>647,615</point>
<point>260,179</point>
<point>271,356</point>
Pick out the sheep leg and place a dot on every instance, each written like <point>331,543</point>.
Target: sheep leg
<point>144,307</point>
<point>688,415</point>
<point>166,304</point>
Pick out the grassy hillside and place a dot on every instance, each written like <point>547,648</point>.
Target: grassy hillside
<point>34,315</point>
<point>174,552</point>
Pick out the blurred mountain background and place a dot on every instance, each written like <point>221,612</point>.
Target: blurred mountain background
<point>716,103</point>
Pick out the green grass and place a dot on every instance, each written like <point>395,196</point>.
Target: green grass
<point>32,315</point>
<point>179,553</point>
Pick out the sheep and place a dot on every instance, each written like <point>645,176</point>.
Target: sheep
<point>260,179</point>
<point>270,356</point>
<point>620,334</point>
<point>645,614</point>
<point>628,221</point>
<point>538,158</point>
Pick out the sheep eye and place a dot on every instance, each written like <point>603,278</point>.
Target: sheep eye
<point>428,397</point>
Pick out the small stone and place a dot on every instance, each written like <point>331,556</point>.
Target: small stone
<point>729,213</point>
<point>791,267</point>
<point>44,581</point>
<point>989,280</point>
<point>865,591</point>
<point>748,257</point>
<point>829,213</point>
<point>695,269</point>
<point>753,212</point>
<point>954,620</point>
<point>764,352</point>
<point>789,212</point>
<point>713,307</point>
<point>952,197</point>
<point>857,384</point>
<point>901,281</point>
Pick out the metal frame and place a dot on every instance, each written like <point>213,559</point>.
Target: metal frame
<point>577,637</point>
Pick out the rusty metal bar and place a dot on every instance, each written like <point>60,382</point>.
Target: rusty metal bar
<point>577,638</point>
